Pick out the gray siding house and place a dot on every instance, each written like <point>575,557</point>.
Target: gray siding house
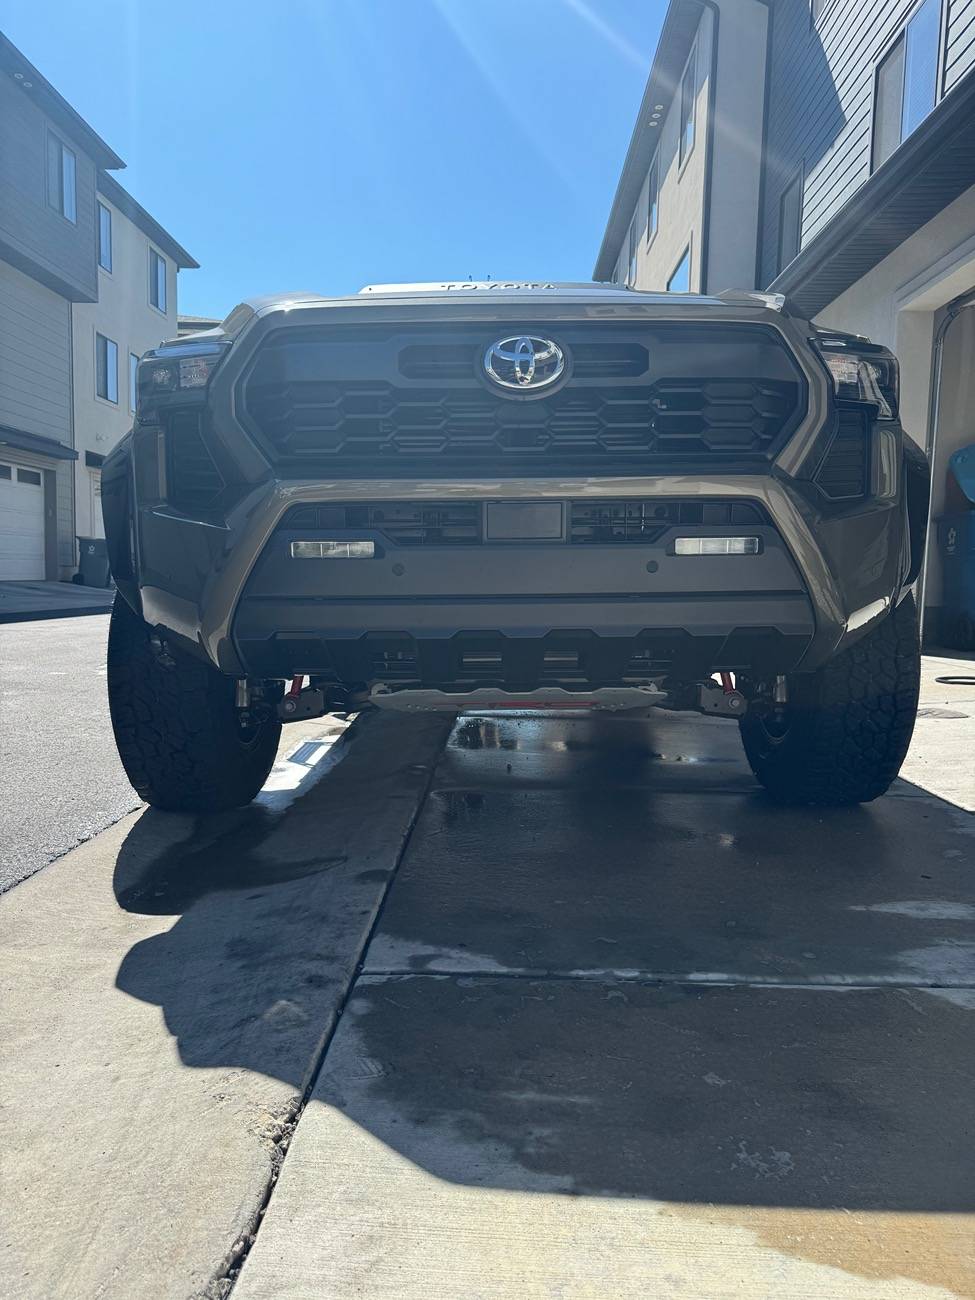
<point>860,148</point>
<point>54,193</point>
<point>48,162</point>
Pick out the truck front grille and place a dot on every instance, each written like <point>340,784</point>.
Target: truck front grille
<point>364,400</point>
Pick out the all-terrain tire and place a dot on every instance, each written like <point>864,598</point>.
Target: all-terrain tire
<point>177,727</point>
<point>847,727</point>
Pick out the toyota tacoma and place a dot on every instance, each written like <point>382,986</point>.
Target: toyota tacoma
<point>507,495</point>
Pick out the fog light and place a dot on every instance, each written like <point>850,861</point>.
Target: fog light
<point>716,546</point>
<point>333,550</point>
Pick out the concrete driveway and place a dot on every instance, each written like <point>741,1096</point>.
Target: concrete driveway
<point>555,1009</point>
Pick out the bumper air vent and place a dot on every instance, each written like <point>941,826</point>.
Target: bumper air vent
<point>459,523</point>
<point>646,521</point>
<point>843,473</point>
<point>448,523</point>
<point>193,480</point>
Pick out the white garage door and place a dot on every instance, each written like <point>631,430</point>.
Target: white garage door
<point>21,521</point>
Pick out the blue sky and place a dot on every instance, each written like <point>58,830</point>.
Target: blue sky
<point>323,144</point>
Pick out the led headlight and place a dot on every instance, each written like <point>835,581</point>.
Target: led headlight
<point>861,371</point>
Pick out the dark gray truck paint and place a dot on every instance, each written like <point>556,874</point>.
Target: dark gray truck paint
<point>218,578</point>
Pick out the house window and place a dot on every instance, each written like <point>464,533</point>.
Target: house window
<point>634,240</point>
<point>653,188</point>
<point>104,237</point>
<point>62,194</point>
<point>106,368</point>
<point>680,281</point>
<point>157,280</point>
<point>31,476</point>
<point>907,81</point>
<point>133,372</point>
<point>790,221</point>
<point>688,98</point>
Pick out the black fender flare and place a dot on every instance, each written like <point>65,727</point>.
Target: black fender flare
<point>118,511</point>
<point>917,502</point>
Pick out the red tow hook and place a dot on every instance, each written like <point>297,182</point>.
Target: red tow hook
<point>727,685</point>
<point>296,684</point>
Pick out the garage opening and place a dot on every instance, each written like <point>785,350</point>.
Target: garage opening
<point>21,522</point>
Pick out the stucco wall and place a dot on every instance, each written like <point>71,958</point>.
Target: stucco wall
<point>680,204</point>
<point>736,173</point>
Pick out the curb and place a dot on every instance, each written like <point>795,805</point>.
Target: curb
<point>34,615</point>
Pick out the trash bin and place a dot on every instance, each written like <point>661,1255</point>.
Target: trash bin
<point>93,567</point>
<point>956,540</point>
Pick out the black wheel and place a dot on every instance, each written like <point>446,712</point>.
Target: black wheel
<point>845,730</point>
<point>176,725</point>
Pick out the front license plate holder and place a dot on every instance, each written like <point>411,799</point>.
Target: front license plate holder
<point>524,521</point>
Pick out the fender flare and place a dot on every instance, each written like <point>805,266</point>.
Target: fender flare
<point>118,511</point>
<point>917,502</point>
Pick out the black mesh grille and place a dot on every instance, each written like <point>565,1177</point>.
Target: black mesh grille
<point>379,402</point>
<point>194,480</point>
<point>843,473</point>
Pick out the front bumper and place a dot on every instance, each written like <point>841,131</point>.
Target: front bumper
<point>229,589</point>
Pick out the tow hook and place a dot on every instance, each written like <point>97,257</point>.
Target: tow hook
<point>722,700</point>
<point>298,705</point>
<point>301,702</point>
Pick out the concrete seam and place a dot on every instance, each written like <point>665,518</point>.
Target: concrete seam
<point>657,979</point>
<point>222,1284</point>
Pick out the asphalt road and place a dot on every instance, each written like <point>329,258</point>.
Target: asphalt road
<point>62,779</point>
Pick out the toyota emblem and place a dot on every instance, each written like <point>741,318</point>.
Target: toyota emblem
<point>523,363</point>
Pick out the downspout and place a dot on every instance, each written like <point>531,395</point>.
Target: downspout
<point>709,143</point>
<point>759,282</point>
<point>955,309</point>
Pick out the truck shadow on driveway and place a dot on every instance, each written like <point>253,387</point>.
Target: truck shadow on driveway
<point>661,990</point>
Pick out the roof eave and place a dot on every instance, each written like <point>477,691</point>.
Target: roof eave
<point>931,168</point>
<point>56,106</point>
<point>148,224</point>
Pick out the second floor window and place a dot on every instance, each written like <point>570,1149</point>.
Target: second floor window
<point>634,240</point>
<point>104,237</point>
<point>133,373</point>
<point>62,185</point>
<point>907,81</point>
<point>106,368</point>
<point>688,97</point>
<point>653,188</point>
<point>157,280</point>
<point>680,281</point>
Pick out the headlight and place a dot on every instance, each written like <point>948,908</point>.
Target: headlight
<point>861,371</point>
<point>176,369</point>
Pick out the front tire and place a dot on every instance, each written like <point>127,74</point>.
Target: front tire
<point>176,725</point>
<point>845,731</point>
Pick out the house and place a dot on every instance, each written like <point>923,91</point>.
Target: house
<point>68,322</point>
<point>835,144</point>
<point>138,262</point>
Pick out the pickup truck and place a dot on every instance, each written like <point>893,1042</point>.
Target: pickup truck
<point>468,496</point>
